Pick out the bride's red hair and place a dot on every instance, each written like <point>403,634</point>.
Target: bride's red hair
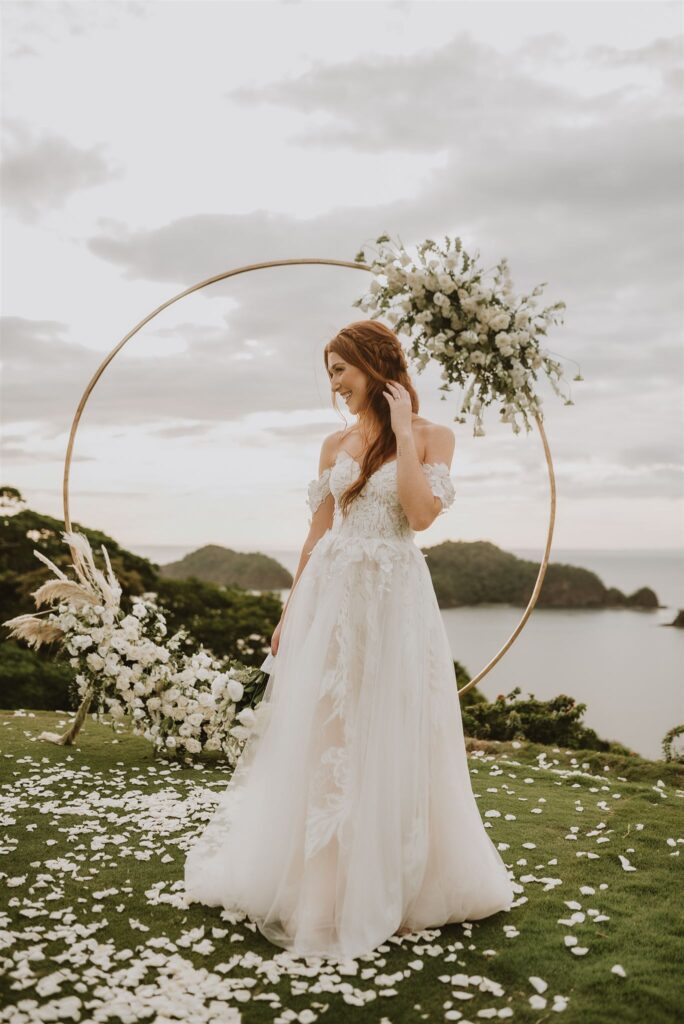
<point>376,350</point>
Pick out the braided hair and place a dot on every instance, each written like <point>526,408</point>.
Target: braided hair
<point>376,350</point>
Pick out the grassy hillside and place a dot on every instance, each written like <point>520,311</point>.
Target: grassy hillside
<point>93,925</point>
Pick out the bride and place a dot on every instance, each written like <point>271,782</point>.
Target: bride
<point>350,814</point>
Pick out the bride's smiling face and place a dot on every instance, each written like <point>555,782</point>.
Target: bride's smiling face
<point>348,381</point>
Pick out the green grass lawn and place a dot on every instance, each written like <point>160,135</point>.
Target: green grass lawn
<point>93,925</point>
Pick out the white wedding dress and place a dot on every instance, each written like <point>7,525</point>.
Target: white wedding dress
<point>351,813</point>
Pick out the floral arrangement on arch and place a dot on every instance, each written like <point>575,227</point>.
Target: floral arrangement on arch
<point>482,336</point>
<point>182,703</point>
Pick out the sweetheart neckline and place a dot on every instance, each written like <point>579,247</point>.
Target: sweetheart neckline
<point>343,451</point>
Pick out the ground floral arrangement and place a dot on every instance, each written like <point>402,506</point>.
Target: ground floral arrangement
<point>95,926</point>
<point>182,703</point>
<point>482,335</point>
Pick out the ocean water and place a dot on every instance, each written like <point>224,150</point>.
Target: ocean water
<point>626,666</point>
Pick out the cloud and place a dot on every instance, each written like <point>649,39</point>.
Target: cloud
<point>41,170</point>
<point>437,99</point>
<point>663,55</point>
<point>207,384</point>
<point>586,185</point>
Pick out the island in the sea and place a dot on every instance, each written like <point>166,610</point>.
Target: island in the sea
<point>463,573</point>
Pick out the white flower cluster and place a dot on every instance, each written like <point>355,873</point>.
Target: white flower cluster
<point>482,336</point>
<point>182,703</point>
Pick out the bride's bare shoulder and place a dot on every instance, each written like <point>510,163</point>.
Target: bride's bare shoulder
<point>427,429</point>
<point>427,426</point>
<point>329,449</point>
<point>332,441</point>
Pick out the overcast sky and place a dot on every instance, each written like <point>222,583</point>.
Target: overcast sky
<point>148,146</point>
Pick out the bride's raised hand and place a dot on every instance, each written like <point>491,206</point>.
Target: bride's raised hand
<point>400,408</point>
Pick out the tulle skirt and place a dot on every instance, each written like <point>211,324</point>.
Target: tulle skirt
<point>350,812</point>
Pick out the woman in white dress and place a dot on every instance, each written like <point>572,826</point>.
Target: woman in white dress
<point>350,814</point>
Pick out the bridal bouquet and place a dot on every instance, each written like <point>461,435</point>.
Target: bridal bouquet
<point>481,335</point>
<point>182,703</point>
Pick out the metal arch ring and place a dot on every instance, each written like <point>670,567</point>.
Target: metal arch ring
<point>334,263</point>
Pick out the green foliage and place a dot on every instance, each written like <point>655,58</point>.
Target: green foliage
<point>556,721</point>
<point>473,696</point>
<point>228,621</point>
<point>669,744</point>
<point>34,679</point>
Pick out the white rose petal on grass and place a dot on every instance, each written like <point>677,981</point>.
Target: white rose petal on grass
<point>459,979</point>
<point>619,969</point>
<point>560,1003</point>
<point>538,983</point>
<point>570,940</point>
<point>537,1002</point>
<point>626,866</point>
<point>579,950</point>
<point>50,984</point>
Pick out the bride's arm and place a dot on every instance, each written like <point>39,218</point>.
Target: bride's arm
<point>322,519</point>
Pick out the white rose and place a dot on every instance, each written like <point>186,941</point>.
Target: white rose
<point>235,689</point>
<point>500,321</point>
<point>239,732</point>
<point>218,685</point>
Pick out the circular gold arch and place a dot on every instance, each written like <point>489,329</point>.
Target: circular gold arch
<point>333,263</point>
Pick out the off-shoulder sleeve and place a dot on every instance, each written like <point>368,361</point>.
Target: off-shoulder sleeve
<point>440,482</point>
<point>318,491</point>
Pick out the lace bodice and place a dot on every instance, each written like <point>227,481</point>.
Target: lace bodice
<point>377,511</point>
